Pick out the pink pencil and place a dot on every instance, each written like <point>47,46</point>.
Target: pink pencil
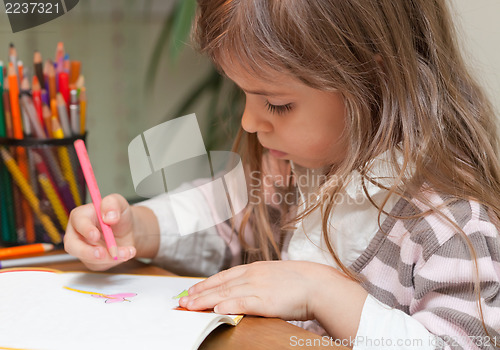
<point>95,194</point>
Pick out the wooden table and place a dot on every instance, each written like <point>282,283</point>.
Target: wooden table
<point>252,332</point>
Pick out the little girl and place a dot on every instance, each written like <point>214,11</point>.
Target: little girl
<point>373,179</point>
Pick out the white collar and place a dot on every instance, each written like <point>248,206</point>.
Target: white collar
<point>381,172</point>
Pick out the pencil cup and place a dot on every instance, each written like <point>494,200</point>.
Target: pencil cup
<point>40,183</point>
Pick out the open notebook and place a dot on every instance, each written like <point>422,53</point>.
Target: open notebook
<point>48,309</point>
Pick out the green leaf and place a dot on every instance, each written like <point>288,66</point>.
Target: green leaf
<point>184,13</point>
<point>160,44</point>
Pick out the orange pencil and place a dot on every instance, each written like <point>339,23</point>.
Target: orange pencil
<point>53,107</point>
<point>83,109</point>
<point>74,71</point>
<point>24,250</point>
<point>15,109</point>
<point>51,76</point>
<point>21,156</point>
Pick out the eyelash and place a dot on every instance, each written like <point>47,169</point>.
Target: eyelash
<point>281,109</point>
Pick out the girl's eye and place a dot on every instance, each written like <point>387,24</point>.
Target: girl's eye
<point>278,109</point>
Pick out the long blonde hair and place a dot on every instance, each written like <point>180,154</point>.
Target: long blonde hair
<point>405,85</point>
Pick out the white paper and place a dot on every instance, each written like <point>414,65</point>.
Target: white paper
<point>37,312</point>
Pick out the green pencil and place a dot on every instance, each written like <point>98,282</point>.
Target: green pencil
<point>7,225</point>
<point>3,131</point>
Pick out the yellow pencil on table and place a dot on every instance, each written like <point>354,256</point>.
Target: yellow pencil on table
<point>67,169</point>
<point>26,190</point>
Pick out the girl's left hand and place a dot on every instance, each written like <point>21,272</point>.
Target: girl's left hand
<point>285,289</point>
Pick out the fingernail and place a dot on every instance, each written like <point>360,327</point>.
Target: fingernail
<point>121,254</point>
<point>132,252</point>
<point>94,235</point>
<point>111,215</point>
<point>216,309</point>
<point>97,254</point>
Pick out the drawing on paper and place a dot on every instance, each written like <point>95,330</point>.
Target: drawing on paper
<point>110,298</point>
<point>184,293</point>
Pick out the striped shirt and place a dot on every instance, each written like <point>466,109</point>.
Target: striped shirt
<point>422,266</point>
<point>418,271</point>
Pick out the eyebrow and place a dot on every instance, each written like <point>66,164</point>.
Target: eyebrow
<point>258,92</point>
<point>263,92</point>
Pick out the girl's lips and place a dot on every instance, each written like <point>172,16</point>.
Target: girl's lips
<point>277,154</point>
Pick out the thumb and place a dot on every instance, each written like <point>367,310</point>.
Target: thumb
<point>115,211</point>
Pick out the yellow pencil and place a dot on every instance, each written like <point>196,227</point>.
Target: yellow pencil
<point>51,194</point>
<point>67,169</point>
<point>26,190</point>
<point>83,110</point>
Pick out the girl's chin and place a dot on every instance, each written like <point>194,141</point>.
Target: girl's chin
<point>277,154</point>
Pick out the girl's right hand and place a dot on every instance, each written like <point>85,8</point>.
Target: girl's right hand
<point>84,240</point>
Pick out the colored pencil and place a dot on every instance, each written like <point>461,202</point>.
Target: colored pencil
<point>28,193</point>
<point>37,260</point>
<point>59,51</point>
<point>32,114</point>
<point>54,200</point>
<point>15,210</point>
<point>13,60</point>
<point>83,110</point>
<point>4,181</point>
<point>51,76</point>
<point>21,155</point>
<point>37,62</point>
<point>63,79</point>
<point>74,112</point>
<point>67,169</point>
<point>42,169</point>
<point>47,119</point>
<point>3,130</point>
<point>36,93</point>
<point>37,105</point>
<point>20,70</point>
<point>15,109</point>
<point>24,250</point>
<point>63,115</point>
<point>95,194</point>
<point>74,71</point>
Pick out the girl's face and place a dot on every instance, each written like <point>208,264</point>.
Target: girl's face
<point>292,120</point>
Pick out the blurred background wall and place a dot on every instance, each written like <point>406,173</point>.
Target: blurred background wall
<point>114,40</point>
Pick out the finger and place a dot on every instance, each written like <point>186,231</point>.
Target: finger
<point>126,253</point>
<point>112,208</point>
<point>84,222</point>
<point>77,245</point>
<point>218,279</point>
<point>209,298</point>
<point>95,254</point>
<point>250,305</point>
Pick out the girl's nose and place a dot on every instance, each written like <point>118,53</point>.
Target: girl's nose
<point>252,122</point>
